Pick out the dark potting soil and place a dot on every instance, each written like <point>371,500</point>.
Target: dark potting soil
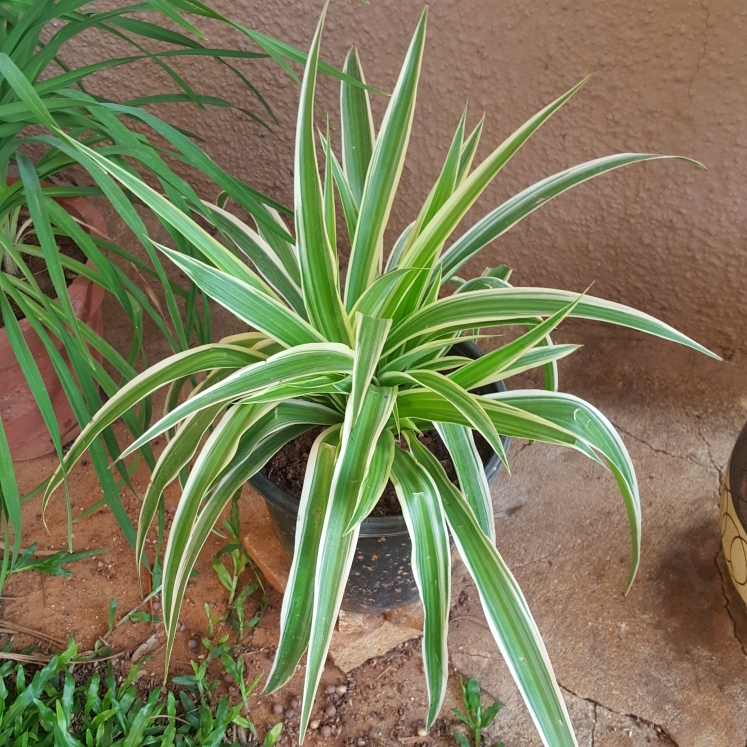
<point>287,468</point>
<point>38,268</point>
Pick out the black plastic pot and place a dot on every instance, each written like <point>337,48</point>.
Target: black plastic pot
<point>381,576</point>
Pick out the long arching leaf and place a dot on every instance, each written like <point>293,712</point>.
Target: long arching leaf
<point>489,307</point>
<point>431,567</point>
<point>500,220</point>
<point>298,600</point>
<point>506,611</point>
<point>317,260</point>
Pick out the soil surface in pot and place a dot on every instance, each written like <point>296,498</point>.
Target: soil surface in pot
<point>287,468</point>
<point>38,267</point>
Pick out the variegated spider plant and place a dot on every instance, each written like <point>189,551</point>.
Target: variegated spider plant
<point>371,362</point>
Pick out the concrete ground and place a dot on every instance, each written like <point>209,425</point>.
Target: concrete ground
<point>666,664</point>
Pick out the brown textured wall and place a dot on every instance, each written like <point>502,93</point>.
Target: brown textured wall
<point>669,77</point>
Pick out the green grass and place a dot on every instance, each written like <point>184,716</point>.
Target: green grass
<point>69,703</point>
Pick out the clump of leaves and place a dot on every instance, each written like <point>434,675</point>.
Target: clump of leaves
<point>375,360</point>
<point>50,707</point>
<point>474,715</point>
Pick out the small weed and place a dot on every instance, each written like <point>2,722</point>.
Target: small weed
<point>51,564</point>
<point>239,562</point>
<point>272,736</point>
<point>233,664</point>
<point>475,716</point>
<point>198,682</point>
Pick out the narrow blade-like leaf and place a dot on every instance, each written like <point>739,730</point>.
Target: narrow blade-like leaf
<point>297,363</point>
<point>370,337</point>
<point>298,600</point>
<point>486,308</point>
<point>317,260</point>
<point>593,428</point>
<point>500,220</point>
<point>482,370</point>
<point>356,126</point>
<point>423,252</point>
<point>383,174</point>
<point>336,547</point>
<point>506,612</point>
<point>431,567</point>
<point>177,366</point>
<point>376,479</point>
<point>471,474</point>
<point>247,303</point>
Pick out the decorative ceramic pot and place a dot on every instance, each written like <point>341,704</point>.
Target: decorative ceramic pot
<point>380,578</point>
<point>734,515</point>
<point>25,429</point>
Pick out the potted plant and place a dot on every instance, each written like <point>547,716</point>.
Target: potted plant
<point>371,363</point>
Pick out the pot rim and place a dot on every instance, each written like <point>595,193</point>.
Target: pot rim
<point>377,526</point>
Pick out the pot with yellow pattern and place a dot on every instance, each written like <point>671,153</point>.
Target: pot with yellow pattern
<point>734,515</point>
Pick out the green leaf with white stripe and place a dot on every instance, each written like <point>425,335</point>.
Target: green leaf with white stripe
<point>299,362</point>
<point>176,367</point>
<point>487,308</point>
<point>377,300</point>
<point>423,252</point>
<point>470,473</point>
<point>383,174</point>
<point>370,336</point>
<point>506,612</point>
<point>500,220</point>
<point>445,184</point>
<point>468,151</point>
<point>330,220</point>
<point>431,567</point>
<point>543,355</point>
<point>483,370</point>
<point>247,303</point>
<point>594,429</point>
<point>298,599</point>
<point>349,205</point>
<point>430,407</point>
<point>231,480</point>
<point>357,126</point>
<point>468,404</point>
<point>220,447</point>
<point>177,454</point>
<point>399,247</point>
<point>261,253</point>
<point>319,272</point>
<point>376,479</point>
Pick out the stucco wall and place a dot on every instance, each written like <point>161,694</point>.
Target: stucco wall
<point>669,77</point>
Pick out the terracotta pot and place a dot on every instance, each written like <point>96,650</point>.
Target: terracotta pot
<point>27,433</point>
